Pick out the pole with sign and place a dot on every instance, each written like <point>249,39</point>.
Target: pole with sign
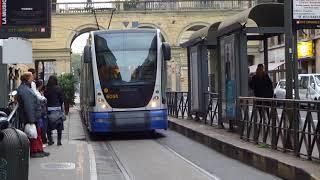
<point>306,14</point>
<point>25,19</point>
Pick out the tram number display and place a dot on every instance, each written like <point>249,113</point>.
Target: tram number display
<point>112,96</point>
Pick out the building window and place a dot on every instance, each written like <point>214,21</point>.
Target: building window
<point>281,39</point>
<point>272,41</point>
<point>300,34</point>
<point>250,60</point>
<point>312,32</point>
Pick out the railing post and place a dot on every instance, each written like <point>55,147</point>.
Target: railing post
<point>145,6</point>
<point>239,116</point>
<point>274,115</point>
<point>295,128</point>
<point>255,125</point>
<point>189,105</point>
<point>175,104</point>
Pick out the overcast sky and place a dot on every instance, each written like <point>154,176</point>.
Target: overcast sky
<point>79,43</point>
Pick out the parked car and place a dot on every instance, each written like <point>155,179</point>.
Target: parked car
<point>308,84</point>
<point>280,90</point>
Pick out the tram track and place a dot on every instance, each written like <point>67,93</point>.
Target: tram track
<point>127,164</point>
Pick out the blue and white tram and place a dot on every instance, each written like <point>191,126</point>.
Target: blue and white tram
<point>123,80</point>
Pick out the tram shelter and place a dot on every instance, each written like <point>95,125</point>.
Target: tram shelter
<point>227,42</point>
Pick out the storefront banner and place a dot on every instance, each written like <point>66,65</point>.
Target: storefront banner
<point>306,13</point>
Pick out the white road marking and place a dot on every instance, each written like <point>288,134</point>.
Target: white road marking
<point>211,176</point>
<point>93,168</point>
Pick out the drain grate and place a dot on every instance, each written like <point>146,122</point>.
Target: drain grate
<point>62,166</point>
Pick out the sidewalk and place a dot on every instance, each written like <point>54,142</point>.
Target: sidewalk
<point>66,162</point>
<point>271,161</point>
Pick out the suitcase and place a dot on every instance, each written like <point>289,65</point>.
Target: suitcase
<point>14,155</point>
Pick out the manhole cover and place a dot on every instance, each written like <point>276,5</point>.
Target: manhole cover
<point>64,166</point>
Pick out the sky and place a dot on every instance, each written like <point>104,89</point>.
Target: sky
<point>79,43</point>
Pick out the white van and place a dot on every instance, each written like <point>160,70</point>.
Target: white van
<point>309,87</point>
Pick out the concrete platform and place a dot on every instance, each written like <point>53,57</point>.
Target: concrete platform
<point>274,162</point>
<point>66,162</point>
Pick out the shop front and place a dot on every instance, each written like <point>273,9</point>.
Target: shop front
<point>306,57</point>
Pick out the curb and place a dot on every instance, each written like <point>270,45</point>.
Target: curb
<point>263,163</point>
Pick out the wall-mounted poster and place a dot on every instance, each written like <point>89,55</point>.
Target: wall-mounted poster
<point>28,19</point>
<point>228,74</point>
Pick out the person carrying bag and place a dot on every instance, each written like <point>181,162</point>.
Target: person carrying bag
<point>55,99</point>
<point>29,114</point>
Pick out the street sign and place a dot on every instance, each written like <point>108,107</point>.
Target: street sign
<point>28,19</point>
<point>306,14</point>
<point>9,49</point>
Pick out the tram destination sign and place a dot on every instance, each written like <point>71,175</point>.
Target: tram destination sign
<point>306,14</point>
<point>25,18</point>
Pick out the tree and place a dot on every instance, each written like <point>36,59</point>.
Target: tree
<point>75,65</point>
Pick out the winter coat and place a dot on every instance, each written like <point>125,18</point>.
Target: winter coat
<point>262,86</point>
<point>55,96</point>
<point>29,105</point>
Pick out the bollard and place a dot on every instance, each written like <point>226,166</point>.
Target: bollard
<point>14,155</point>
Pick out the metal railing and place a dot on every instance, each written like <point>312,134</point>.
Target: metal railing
<point>180,5</point>
<point>178,107</point>
<point>11,120</point>
<point>282,124</point>
<point>178,104</point>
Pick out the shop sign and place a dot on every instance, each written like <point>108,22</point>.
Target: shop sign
<point>306,14</point>
<point>305,49</point>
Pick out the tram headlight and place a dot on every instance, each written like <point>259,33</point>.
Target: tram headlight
<point>155,102</point>
<point>102,103</point>
<point>104,106</point>
<point>100,100</point>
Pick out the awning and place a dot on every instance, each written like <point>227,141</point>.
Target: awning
<point>271,67</point>
<point>264,15</point>
<point>207,35</point>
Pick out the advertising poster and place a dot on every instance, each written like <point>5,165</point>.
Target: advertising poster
<point>28,19</point>
<point>306,14</point>
<point>228,60</point>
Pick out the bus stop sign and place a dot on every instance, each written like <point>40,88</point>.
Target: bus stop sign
<point>306,14</point>
<point>27,19</point>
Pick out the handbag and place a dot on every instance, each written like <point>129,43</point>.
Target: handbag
<point>31,131</point>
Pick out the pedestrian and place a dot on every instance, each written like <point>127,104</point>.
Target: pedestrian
<point>29,113</point>
<point>34,86</point>
<point>262,88</point>
<point>55,100</point>
<point>261,83</point>
<point>43,122</point>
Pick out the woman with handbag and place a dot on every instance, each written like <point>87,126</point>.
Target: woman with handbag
<point>29,114</point>
<point>55,99</point>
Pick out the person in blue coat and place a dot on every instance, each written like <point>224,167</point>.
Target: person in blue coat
<point>30,112</point>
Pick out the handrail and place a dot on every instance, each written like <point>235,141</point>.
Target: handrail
<point>289,125</point>
<point>282,100</point>
<point>13,112</point>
